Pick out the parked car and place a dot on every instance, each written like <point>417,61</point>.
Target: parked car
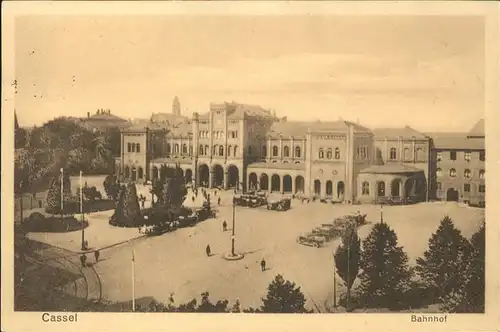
<point>280,205</point>
<point>311,240</point>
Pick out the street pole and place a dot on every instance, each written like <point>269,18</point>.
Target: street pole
<point>62,193</point>
<point>334,284</point>
<point>348,274</point>
<point>133,279</point>
<point>232,237</point>
<point>381,213</point>
<point>81,210</point>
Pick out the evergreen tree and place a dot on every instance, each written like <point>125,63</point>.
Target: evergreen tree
<point>442,268</point>
<point>470,297</point>
<point>283,297</point>
<point>347,258</point>
<point>53,198</point>
<point>174,190</point>
<point>130,207</point>
<point>157,190</point>
<point>385,275</point>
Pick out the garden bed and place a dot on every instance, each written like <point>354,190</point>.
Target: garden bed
<point>38,222</point>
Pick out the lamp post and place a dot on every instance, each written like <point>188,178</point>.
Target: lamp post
<point>81,210</point>
<point>232,235</point>
<point>381,213</point>
<point>334,283</point>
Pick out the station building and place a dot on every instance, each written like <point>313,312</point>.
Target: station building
<point>242,146</point>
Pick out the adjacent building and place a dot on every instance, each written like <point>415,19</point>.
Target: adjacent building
<point>243,146</point>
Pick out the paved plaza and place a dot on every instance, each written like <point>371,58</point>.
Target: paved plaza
<point>176,262</point>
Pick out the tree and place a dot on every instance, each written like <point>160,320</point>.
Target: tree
<point>347,258</point>
<point>442,268</point>
<point>157,190</point>
<point>24,174</point>
<point>470,297</point>
<point>53,198</point>
<point>127,211</point>
<point>385,275</point>
<point>174,189</point>
<point>283,297</point>
<point>111,187</point>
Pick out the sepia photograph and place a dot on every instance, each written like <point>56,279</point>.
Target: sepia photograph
<point>267,163</point>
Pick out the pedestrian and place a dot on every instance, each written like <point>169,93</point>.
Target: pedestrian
<point>224,226</point>
<point>208,250</point>
<point>218,201</point>
<point>86,244</point>
<point>193,198</point>
<point>263,265</point>
<point>215,192</point>
<point>83,260</point>
<point>96,254</point>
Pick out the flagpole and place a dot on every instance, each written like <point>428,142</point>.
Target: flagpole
<point>62,193</point>
<point>133,279</point>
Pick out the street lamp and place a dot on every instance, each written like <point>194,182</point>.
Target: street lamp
<point>232,235</point>
<point>381,213</point>
<point>81,211</point>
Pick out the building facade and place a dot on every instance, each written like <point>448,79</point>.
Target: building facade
<point>245,146</point>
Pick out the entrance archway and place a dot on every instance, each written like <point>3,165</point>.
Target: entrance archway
<point>126,172</point>
<point>329,188</point>
<point>134,174</point>
<point>395,188</point>
<point>452,195</point>
<point>155,173</point>
<point>218,180</point>
<point>299,184</point>
<point>203,175</point>
<point>188,175</point>
<point>340,189</point>
<point>252,181</point>
<point>264,182</point>
<point>287,183</point>
<point>317,187</point>
<point>275,182</point>
<point>233,176</point>
<point>140,173</point>
<point>381,189</point>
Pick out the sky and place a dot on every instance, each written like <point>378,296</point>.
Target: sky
<point>383,71</point>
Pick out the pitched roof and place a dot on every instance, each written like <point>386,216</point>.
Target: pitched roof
<point>478,129</point>
<point>390,168</point>
<point>167,118</point>
<point>180,129</point>
<point>300,129</point>
<point>456,141</point>
<point>106,117</point>
<point>394,133</point>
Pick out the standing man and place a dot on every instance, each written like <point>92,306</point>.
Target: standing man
<point>218,200</point>
<point>96,254</point>
<point>208,250</point>
<point>224,226</point>
<point>262,265</point>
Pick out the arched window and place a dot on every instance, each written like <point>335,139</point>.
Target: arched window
<point>453,173</point>
<point>137,147</point>
<point>439,172</point>
<point>365,188</point>
<point>264,151</point>
<point>221,150</point>
<point>407,154</point>
<point>337,153</point>
<point>184,148</point>
<point>169,149</point>
<point>140,173</point>
<point>275,151</point>
<point>206,150</point>
<point>420,154</point>
<point>235,151</point>
<point>286,151</point>
<point>481,174</point>
<point>321,154</point>
<point>201,150</point>
<point>467,173</point>
<point>229,148</point>
<point>129,147</point>
<point>297,152</point>
<point>329,154</point>
<point>393,153</point>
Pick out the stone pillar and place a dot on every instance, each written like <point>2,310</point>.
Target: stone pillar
<point>269,149</point>
<point>211,178</point>
<point>292,152</point>
<point>281,149</point>
<point>270,180</point>
<point>282,180</point>
<point>226,180</point>
<point>293,186</point>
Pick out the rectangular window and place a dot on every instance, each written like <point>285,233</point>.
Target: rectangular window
<point>482,188</point>
<point>453,155</point>
<point>467,187</point>
<point>129,148</point>
<point>439,186</point>
<point>467,156</point>
<point>482,156</point>
<point>138,148</point>
<point>439,156</point>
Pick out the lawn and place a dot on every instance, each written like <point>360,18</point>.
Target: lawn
<point>176,262</point>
